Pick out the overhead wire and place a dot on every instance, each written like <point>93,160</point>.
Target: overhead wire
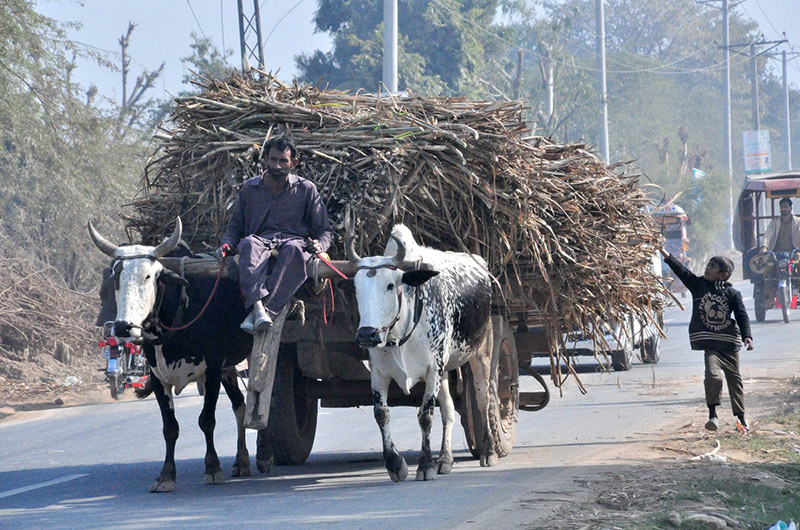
<point>196,20</point>
<point>710,68</point>
<point>281,19</point>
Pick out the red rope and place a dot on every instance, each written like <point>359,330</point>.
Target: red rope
<point>214,290</point>
<point>330,285</point>
<point>327,262</point>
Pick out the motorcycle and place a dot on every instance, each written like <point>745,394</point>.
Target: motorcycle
<point>780,272</point>
<point>126,365</point>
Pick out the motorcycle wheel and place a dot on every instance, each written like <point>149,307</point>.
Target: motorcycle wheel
<point>785,297</point>
<point>117,386</point>
<point>758,302</point>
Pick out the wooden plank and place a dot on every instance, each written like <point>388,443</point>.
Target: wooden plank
<point>263,360</point>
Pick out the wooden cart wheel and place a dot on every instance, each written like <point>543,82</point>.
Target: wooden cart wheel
<point>503,395</point>
<point>292,414</point>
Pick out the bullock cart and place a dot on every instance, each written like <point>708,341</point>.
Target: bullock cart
<point>564,235</point>
<point>316,362</point>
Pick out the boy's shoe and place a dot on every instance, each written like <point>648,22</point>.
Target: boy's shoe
<point>712,424</point>
<point>741,427</point>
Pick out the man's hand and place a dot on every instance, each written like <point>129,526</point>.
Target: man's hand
<point>226,250</point>
<point>762,250</point>
<point>313,246</point>
<point>749,342</point>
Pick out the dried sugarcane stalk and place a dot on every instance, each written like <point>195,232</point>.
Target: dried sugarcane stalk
<point>567,237</point>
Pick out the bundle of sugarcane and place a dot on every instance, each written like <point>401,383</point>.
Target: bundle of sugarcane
<point>567,237</point>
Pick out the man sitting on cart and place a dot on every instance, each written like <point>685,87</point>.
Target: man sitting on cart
<point>783,233</point>
<point>276,213</point>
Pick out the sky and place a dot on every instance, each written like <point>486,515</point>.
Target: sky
<point>164,28</point>
<point>163,33</point>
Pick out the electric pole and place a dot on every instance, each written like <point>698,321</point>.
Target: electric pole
<point>726,112</point>
<point>600,37</point>
<point>787,131</point>
<point>251,47</point>
<point>390,45</point>
<point>787,124</point>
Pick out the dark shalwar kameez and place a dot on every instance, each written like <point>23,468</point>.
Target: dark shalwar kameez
<point>262,222</point>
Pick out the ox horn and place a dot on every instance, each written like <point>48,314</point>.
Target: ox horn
<point>106,246</point>
<point>400,255</point>
<point>350,243</point>
<point>164,248</point>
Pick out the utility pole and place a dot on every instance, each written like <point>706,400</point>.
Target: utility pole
<point>600,37</point>
<point>754,86</point>
<point>787,132</point>
<point>787,124</point>
<point>251,47</point>
<point>726,112</point>
<point>390,45</point>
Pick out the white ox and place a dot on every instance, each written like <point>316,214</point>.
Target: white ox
<point>418,323</point>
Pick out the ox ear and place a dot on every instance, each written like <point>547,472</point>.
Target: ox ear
<point>417,278</point>
<point>167,276</point>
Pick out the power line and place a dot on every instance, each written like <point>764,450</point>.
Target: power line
<point>281,19</point>
<point>195,19</point>
<point>632,70</point>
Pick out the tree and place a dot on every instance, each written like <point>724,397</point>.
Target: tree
<point>59,162</point>
<point>440,50</point>
<point>206,60</point>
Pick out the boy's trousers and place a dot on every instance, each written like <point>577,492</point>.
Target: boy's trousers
<point>719,363</point>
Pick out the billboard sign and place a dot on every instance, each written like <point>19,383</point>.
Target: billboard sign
<point>757,158</point>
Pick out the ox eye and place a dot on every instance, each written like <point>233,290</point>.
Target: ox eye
<point>147,277</point>
<point>390,287</point>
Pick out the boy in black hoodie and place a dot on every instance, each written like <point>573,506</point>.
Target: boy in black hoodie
<point>712,329</point>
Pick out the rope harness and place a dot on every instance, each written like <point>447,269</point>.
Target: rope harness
<point>153,319</point>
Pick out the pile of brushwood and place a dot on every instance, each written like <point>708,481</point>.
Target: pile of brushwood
<point>567,237</point>
<point>46,328</point>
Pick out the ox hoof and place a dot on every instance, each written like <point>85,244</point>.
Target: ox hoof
<point>444,466</point>
<point>264,465</point>
<point>401,474</point>
<point>429,473</point>
<point>241,470</point>
<point>218,477</point>
<point>489,460</point>
<point>162,486</point>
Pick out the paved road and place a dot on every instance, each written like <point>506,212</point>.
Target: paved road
<point>90,467</point>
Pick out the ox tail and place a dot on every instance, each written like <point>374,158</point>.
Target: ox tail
<point>146,390</point>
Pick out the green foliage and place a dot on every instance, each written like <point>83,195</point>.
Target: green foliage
<point>440,50</point>
<point>61,161</point>
<point>206,59</point>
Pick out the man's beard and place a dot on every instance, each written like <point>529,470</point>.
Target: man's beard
<point>277,174</point>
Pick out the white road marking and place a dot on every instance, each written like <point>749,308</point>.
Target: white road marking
<point>65,478</point>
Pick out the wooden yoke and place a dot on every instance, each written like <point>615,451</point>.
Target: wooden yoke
<point>209,267</point>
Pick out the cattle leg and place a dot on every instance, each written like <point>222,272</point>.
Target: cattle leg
<point>395,463</point>
<point>444,463</point>
<point>264,456</point>
<point>165,481</point>
<point>481,371</point>
<point>241,466</point>
<point>426,470</point>
<point>207,423</point>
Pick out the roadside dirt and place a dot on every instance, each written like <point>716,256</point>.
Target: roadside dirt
<point>42,382</point>
<point>684,476</point>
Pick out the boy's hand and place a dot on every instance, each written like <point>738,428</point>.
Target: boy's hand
<point>664,252</point>
<point>749,342</point>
